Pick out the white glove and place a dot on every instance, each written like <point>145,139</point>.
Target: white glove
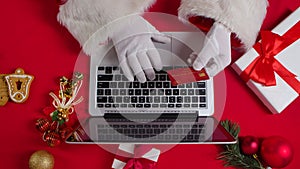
<point>136,52</point>
<point>216,52</point>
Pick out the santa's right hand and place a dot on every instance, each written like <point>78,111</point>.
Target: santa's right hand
<point>135,49</point>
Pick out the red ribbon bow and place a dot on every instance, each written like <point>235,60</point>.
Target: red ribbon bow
<point>136,162</point>
<point>140,163</point>
<point>262,69</point>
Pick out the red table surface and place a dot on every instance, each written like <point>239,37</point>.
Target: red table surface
<point>32,39</point>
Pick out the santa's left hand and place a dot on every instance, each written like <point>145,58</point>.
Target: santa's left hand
<point>216,52</point>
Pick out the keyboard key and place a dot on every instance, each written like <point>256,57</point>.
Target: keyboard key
<point>136,84</point>
<point>183,92</point>
<point>123,92</point>
<point>171,105</point>
<point>166,84</point>
<point>139,105</point>
<point>131,92</point>
<point>123,105</point>
<point>194,105</point>
<point>108,92</point>
<point>101,99</point>
<point>101,68</point>
<point>115,92</point>
<point>146,92</point>
<point>187,99</point>
<point>153,92</point>
<point>147,105</point>
<point>176,92</point>
<point>172,99</point>
<point>108,70</point>
<point>200,92</point>
<point>105,77</point>
<point>126,99</point>
<point>163,77</point>
<point>100,92</point>
<point>107,105</point>
<point>103,85</point>
<point>179,99</point>
<point>168,92</point>
<point>187,105</point>
<point>195,99</point>
<point>201,84</point>
<point>164,99</point>
<point>189,85</point>
<point>202,105</point>
<point>143,85</point>
<point>134,99</point>
<point>121,84</point>
<point>158,84</point>
<point>113,85</point>
<point>163,105</point>
<point>111,100</point>
<point>157,99</point>
<point>202,99</point>
<point>191,92</point>
<point>178,105</point>
<point>124,78</point>
<point>100,105</point>
<point>142,99</point>
<point>155,105</point>
<point>118,77</point>
<point>138,92</point>
<point>151,85</point>
<point>118,99</point>
<point>161,92</point>
<point>181,86</point>
<point>149,99</point>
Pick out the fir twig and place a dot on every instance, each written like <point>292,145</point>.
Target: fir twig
<point>232,155</point>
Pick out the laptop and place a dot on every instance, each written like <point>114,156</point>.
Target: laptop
<point>153,112</point>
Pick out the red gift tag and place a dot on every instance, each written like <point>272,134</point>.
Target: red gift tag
<point>186,75</point>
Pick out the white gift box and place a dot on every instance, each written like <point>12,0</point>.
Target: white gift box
<point>277,97</point>
<point>152,155</point>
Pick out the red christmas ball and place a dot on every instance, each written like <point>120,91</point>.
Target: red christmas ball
<point>249,145</point>
<point>276,152</point>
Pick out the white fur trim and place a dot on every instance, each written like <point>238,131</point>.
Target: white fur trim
<point>243,17</point>
<point>84,17</point>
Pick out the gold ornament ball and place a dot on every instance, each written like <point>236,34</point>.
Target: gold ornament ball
<point>41,160</point>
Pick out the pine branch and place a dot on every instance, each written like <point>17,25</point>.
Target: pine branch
<point>232,155</point>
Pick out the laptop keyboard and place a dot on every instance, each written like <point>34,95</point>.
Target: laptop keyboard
<point>115,91</point>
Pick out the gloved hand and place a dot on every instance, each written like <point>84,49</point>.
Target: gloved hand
<point>135,49</point>
<point>216,52</point>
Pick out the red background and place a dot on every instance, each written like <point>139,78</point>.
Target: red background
<point>32,39</point>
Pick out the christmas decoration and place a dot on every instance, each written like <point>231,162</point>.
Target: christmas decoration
<point>15,86</point>
<point>19,85</point>
<point>276,152</point>
<point>41,160</point>
<point>55,129</point>
<point>131,156</point>
<point>249,145</point>
<point>232,155</point>
<point>265,70</point>
<point>3,91</point>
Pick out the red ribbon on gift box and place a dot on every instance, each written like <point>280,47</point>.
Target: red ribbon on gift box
<point>135,161</point>
<point>262,69</point>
